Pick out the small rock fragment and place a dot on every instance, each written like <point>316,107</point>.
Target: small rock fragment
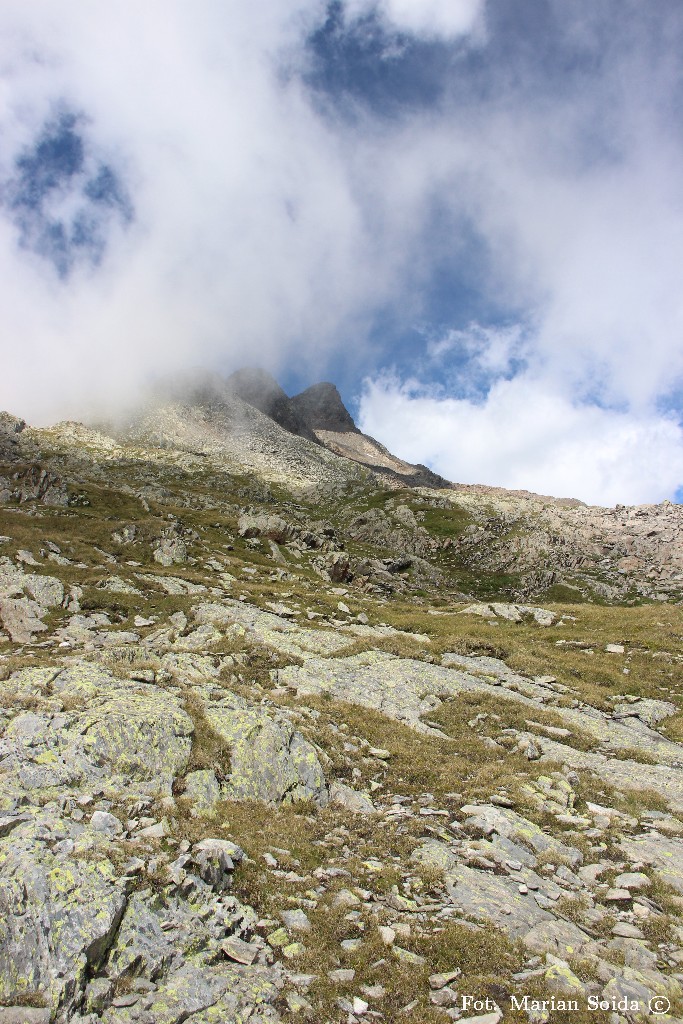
<point>240,951</point>
<point>437,981</point>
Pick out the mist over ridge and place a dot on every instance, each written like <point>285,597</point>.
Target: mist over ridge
<point>468,218</point>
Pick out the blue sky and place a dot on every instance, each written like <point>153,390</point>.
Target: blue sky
<point>54,165</point>
<point>467,213</point>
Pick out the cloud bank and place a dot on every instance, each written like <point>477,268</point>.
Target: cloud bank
<point>245,238</point>
<point>525,437</point>
<point>277,183</point>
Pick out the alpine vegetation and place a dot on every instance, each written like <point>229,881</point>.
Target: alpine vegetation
<point>291,729</point>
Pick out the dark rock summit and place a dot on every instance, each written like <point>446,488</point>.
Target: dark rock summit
<point>319,415</point>
<point>321,408</point>
<point>258,388</point>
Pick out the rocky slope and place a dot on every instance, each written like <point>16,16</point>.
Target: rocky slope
<point>319,414</point>
<point>282,740</point>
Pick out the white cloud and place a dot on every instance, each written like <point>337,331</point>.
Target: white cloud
<point>585,245</point>
<point>427,18</point>
<point>594,253</point>
<point>525,437</point>
<point>493,351</point>
<point>249,240</point>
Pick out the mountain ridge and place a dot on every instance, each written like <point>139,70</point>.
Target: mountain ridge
<point>534,542</point>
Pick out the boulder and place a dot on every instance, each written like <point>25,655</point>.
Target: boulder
<point>25,599</point>
<point>350,799</point>
<point>270,760</point>
<point>170,551</point>
<point>58,915</point>
<point>34,484</point>
<point>272,527</point>
<point>24,1015</point>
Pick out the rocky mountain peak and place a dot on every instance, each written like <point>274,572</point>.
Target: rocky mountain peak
<point>322,408</point>
<point>260,389</point>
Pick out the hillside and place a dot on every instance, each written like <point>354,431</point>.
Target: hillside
<point>293,730</point>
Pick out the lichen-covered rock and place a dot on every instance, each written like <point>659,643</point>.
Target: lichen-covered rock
<point>203,789</point>
<point>407,689</point>
<point>649,711</point>
<point>560,978</point>
<point>58,914</point>
<point>511,612</point>
<point>495,899</point>
<point>124,733</point>
<point>120,733</point>
<point>66,915</point>
<point>200,639</point>
<point>664,853</point>
<point>400,688</point>
<point>647,980</point>
<point>117,585</point>
<point>518,905</point>
<point>270,760</point>
<point>215,860</point>
<point>183,993</point>
<point>559,937</point>
<point>624,774</point>
<point>511,825</point>
<point>175,941</point>
<point>141,948</point>
<point>432,853</point>
<point>138,735</point>
<point>249,1000</point>
<point>274,631</point>
<point>25,598</point>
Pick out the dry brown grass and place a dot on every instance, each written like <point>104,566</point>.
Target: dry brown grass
<point>209,749</point>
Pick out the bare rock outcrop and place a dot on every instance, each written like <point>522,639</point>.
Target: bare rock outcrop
<point>10,427</point>
<point>25,599</point>
<point>321,408</point>
<point>258,388</point>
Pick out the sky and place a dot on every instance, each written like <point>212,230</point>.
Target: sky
<point>466,213</point>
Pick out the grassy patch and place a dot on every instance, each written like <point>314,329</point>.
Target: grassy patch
<point>209,748</point>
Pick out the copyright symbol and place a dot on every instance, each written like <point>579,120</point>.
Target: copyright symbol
<point>659,1005</point>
